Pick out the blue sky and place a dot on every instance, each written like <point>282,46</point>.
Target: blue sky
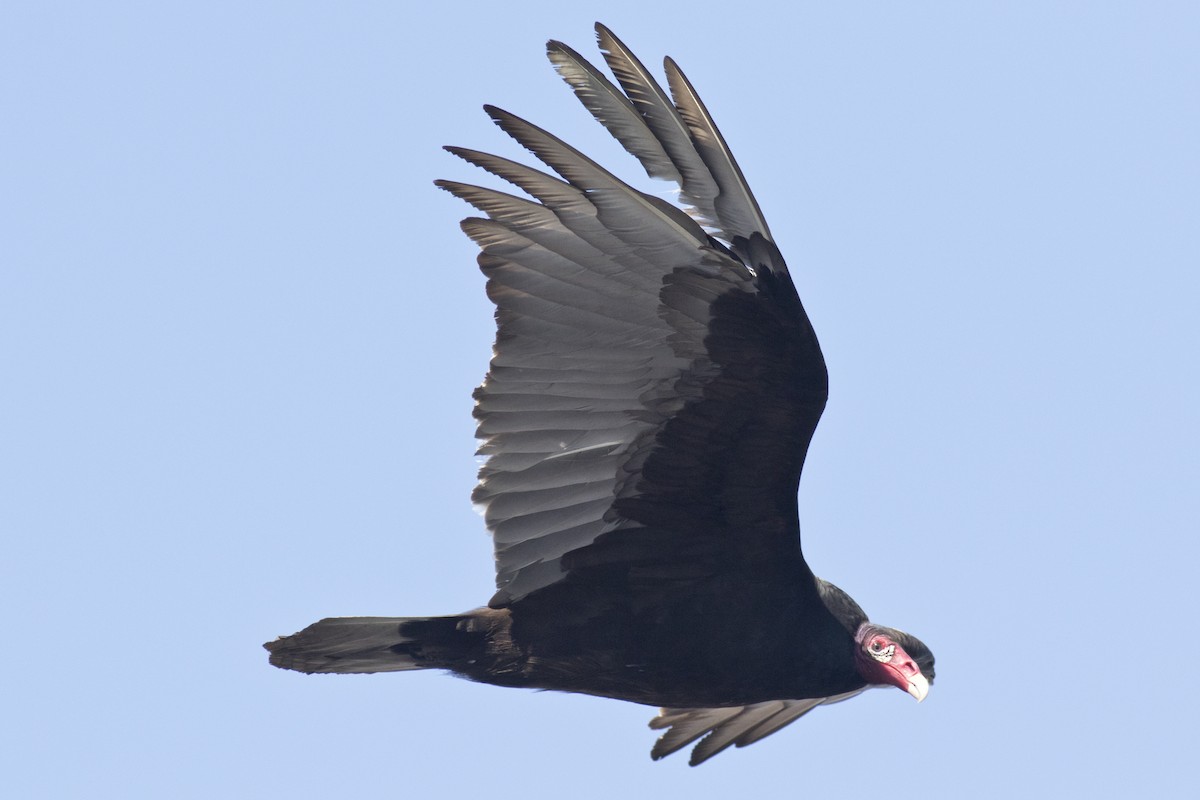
<point>239,329</point>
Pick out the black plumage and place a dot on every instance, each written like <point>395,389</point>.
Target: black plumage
<point>654,388</point>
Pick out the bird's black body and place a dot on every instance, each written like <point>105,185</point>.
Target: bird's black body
<point>666,656</point>
<point>655,386</point>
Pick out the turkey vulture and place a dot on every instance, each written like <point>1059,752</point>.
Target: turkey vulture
<point>654,387</point>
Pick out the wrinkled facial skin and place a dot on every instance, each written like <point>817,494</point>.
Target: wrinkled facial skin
<point>882,660</point>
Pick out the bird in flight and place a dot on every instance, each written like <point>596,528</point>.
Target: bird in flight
<point>653,391</point>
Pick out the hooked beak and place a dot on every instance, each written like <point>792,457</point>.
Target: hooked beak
<point>918,687</point>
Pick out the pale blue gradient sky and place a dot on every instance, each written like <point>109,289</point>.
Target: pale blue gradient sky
<point>239,329</point>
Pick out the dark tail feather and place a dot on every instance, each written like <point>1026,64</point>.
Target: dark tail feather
<point>374,644</point>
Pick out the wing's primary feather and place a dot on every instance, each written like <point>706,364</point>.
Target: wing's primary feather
<point>614,111</point>
<point>674,141</point>
<point>735,204</point>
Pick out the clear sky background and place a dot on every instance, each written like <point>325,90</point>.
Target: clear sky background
<point>239,329</point>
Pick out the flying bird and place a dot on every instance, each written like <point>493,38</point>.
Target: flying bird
<point>653,391</point>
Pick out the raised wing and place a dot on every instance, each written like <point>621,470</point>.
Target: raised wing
<point>733,726</point>
<point>653,388</point>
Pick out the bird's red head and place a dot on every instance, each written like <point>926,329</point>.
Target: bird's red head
<point>888,657</point>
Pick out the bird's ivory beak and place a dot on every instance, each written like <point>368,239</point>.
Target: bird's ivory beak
<point>918,687</point>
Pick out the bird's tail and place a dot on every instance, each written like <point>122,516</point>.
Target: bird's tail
<point>378,644</point>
